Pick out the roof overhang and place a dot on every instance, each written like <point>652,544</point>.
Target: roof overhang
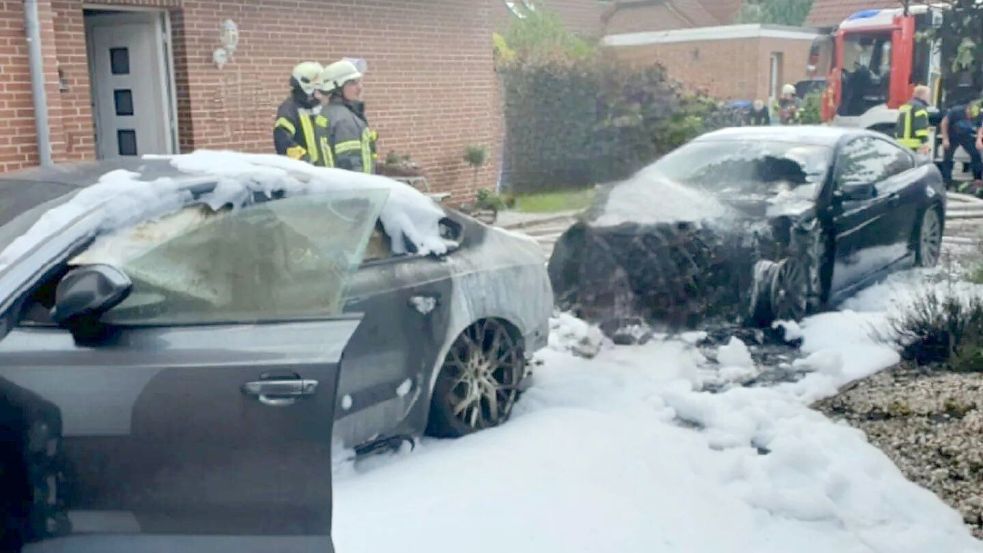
<point>704,34</point>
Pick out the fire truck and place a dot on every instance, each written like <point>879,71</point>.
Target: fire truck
<point>874,59</point>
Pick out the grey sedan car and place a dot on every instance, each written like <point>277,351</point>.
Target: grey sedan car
<point>175,367</point>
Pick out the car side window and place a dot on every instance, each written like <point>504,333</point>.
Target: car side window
<point>860,163</point>
<point>276,260</point>
<point>896,160</point>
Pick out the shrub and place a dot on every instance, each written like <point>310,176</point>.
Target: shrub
<point>577,116</point>
<point>810,114</point>
<point>486,199</point>
<point>942,329</point>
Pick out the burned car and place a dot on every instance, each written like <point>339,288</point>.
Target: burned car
<point>750,225</point>
<point>182,340</point>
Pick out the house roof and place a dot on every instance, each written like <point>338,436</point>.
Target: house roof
<point>688,13</point>
<point>829,13</point>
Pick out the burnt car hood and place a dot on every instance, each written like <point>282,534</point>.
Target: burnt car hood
<point>681,272</point>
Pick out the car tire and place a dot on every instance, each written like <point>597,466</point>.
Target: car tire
<point>783,292</point>
<point>479,380</point>
<point>928,238</point>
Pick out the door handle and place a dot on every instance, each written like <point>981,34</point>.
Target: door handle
<point>280,392</point>
<point>894,199</point>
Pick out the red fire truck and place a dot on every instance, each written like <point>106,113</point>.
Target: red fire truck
<point>873,60</point>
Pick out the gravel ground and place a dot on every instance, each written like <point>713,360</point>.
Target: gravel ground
<point>929,424</point>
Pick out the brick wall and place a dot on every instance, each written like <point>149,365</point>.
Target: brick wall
<point>723,68</point>
<point>795,56</point>
<point>17,131</point>
<point>431,89</point>
<point>727,69</point>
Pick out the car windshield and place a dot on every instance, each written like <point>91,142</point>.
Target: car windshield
<point>752,170</point>
<point>185,268</point>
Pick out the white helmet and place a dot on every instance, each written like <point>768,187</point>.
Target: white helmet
<point>788,90</point>
<point>307,75</point>
<point>337,74</point>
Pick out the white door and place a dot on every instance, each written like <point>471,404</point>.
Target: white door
<point>129,84</point>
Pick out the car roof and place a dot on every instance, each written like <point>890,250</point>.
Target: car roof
<point>25,189</point>
<point>800,134</point>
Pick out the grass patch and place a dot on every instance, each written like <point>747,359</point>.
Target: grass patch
<point>553,202</point>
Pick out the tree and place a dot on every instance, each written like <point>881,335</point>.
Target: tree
<point>776,12</point>
<point>962,47</point>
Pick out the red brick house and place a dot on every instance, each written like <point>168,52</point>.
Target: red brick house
<point>138,76</point>
<point>739,62</point>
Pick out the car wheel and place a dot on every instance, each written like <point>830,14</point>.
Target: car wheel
<point>790,290</point>
<point>478,382</point>
<point>781,292</point>
<point>928,238</point>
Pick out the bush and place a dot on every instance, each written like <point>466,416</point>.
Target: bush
<point>944,330</point>
<point>811,111</point>
<point>571,125</point>
<point>576,116</point>
<point>486,199</point>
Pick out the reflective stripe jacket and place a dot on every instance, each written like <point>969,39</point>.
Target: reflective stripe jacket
<point>911,129</point>
<point>352,142</point>
<point>302,133</point>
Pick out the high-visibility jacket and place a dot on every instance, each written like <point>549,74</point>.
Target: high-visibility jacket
<point>911,129</point>
<point>352,141</point>
<point>301,132</point>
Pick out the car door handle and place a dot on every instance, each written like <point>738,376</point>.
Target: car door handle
<point>280,392</point>
<point>894,199</point>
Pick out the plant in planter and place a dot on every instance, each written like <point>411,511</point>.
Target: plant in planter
<point>397,165</point>
<point>476,156</point>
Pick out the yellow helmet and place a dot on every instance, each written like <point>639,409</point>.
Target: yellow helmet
<point>337,74</point>
<point>973,109</point>
<point>307,75</point>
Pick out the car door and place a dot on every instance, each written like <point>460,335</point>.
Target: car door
<point>405,302</point>
<point>199,418</point>
<point>864,207</point>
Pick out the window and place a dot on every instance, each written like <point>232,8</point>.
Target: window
<point>859,164</point>
<point>126,142</point>
<point>759,169</point>
<point>276,260</point>
<point>895,159</point>
<point>869,160</point>
<point>123,99</point>
<point>119,61</point>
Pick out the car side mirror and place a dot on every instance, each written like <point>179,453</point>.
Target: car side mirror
<point>85,293</point>
<point>856,192</point>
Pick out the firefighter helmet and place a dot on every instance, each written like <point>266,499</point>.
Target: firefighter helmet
<point>307,76</point>
<point>788,90</point>
<point>337,74</point>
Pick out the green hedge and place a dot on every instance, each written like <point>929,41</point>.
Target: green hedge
<point>576,123</point>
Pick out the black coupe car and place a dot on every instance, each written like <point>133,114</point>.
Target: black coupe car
<point>751,225</point>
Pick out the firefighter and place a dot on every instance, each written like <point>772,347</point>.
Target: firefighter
<point>787,106</point>
<point>300,131</point>
<point>911,130</point>
<point>350,139</point>
<point>962,127</point>
<point>758,116</point>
